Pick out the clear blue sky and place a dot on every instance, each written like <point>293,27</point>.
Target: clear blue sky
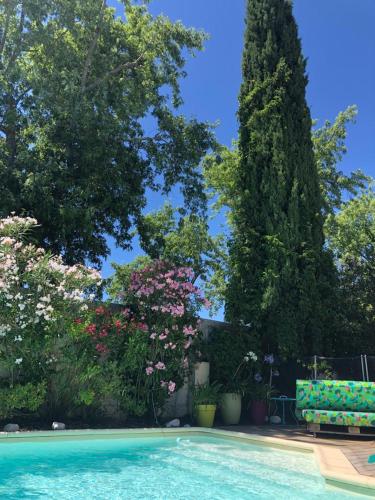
<point>338,39</point>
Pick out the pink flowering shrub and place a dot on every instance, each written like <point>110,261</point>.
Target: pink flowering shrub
<point>150,337</point>
<point>39,296</point>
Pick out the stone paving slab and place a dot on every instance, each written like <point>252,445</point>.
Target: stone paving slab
<point>355,448</point>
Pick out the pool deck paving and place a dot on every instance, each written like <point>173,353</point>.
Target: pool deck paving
<point>353,449</point>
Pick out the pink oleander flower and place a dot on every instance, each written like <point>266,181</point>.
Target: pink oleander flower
<point>177,310</point>
<point>91,328</point>
<point>171,387</point>
<point>163,336</point>
<point>149,370</point>
<point>103,349</point>
<point>153,336</point>
<point>160,366</point>
<point>189,330</point>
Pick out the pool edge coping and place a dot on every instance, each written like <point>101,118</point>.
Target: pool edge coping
<point>333,465</point>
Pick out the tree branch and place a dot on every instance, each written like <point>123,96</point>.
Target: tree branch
<point>17,48</point>
<point>92,47</point>
<point>118,69</point>
<point>5,32</point>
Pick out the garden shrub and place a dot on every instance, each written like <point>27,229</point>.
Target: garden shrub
<point>64,358</point>
<point>20,398</point>
<point>39,297</point>
<point>148,340</point>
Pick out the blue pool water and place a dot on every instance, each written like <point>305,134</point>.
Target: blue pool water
<point>193,467</point>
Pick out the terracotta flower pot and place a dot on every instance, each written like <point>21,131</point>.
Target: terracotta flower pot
<point>258,412</point>
<point>205,415</point>
<point>231,408</point>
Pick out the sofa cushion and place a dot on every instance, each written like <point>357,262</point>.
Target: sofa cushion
<point>335,395</point>
<point>332,417</point>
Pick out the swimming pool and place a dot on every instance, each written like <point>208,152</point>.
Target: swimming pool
<point>191,466</point>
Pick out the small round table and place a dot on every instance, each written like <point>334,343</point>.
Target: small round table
<point>287,407</point>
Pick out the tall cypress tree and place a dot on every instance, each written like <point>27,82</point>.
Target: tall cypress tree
<point>277,247</point>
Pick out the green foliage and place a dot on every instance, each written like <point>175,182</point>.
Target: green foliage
<point>78,385</point>
<point>120,361</point>
<point>114,375</point>
<point>39,298</point>
<point>277,245</point>
<point>148,338</point>
<point>238,342</point>
<point>329,149</point>
<point>119,282</point>
<point>219,173</point>
<point>342,287</point>
<point>21,399</point>
<point>183,240</point>
<point>323,370</point>
<point>351,231</point>
<point>207,394</point>
<point>351,237</point>
<point>76,83</point>
<point>261,392</point>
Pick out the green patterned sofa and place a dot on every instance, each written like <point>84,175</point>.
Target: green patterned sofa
<point>336,402</point>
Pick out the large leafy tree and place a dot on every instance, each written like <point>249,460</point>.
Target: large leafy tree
<point>277,248</point>
<point>88,120</point>
<point>351,236</point>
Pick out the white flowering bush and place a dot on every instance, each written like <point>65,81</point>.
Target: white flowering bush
<point>39,297</point>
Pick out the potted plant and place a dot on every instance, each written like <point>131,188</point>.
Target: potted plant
<point>206,397</point>
<point>231,403</point>
<point>260,397</point>
<point>261,393</point>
